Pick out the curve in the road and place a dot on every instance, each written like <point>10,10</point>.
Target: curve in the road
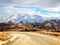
<point>29,38</point>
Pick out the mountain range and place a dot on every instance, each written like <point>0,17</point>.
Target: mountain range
<point>26,14</point>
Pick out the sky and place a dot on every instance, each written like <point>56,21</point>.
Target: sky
<point>47,9</point>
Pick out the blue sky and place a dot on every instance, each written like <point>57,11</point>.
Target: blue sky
<point>49,9</point>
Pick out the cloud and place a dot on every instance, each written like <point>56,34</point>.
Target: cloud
<point>47,9</point>
<point>13,12</point>
<point>39,3</point>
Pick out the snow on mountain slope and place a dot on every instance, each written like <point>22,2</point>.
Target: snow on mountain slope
<point>25,13</point>
<point>20,14</point>
<point>25,18</point>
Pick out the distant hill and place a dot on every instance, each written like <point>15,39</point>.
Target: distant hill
<point>53,25</point>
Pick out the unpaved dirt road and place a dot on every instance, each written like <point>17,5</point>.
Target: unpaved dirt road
<point>29,38</point>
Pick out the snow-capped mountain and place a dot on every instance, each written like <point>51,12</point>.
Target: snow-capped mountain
<point>25,18</point>
<point>26,14</point>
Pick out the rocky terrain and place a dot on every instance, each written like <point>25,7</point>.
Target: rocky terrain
<point>51,25</point>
